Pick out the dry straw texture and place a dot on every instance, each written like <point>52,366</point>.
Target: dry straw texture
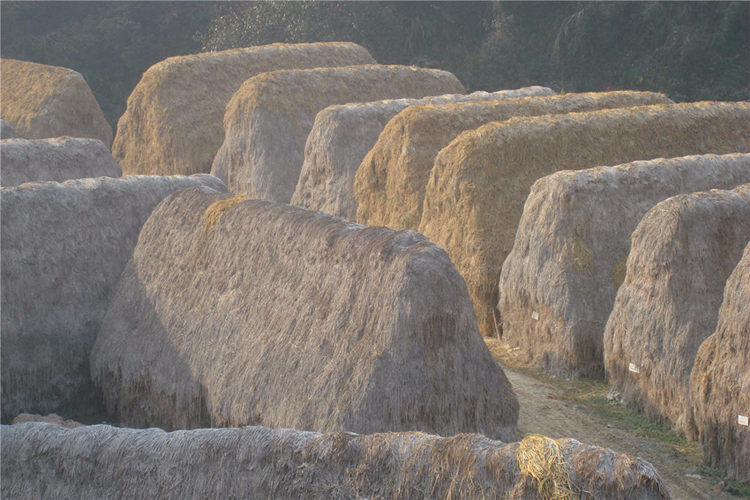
<point>173,120</point>
<point>342,135</point>
<point>258,462</point>
<point>42,101</point>
<point>681,256</point>
<point>269,118</point>
<point>478,186</point>
<point>720,381</point>
<point>6,131</point>
<point>390,183</point>
<point>58,159</point>
<point>559,283</point>
<point>63,249</point>
<point>285,317</point>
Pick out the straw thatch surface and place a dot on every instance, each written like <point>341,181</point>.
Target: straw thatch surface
<point>558,285</point>
<point>478,186</point>
<point>390,184</point>
<point>58,159</point>
<point>269,118</point>
<point>42,101</point>
<point>63,249</point>
<point>720,381</point>
<point>173,120</point>
<point>240,312</point>
<point>258,462</point>
<point>342,135</point>
<point>681,255</point>
<point>6,131</point>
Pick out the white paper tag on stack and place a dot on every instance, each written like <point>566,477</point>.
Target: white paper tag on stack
<point>742,420</point>
<point>633,368</point>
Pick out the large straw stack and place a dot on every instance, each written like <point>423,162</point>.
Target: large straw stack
<point>41,101</point>
<point>258,462</point>
<point>681,256</point>
<point>390,184</point>
<point>720,381</point>
<point>478,186</point>
<point>63,249</point>
<point>342,135</point>
<point>59,159</point>
<point>173,120</point>
<point>237,313</point>
<point>269,118</point>
<point>559,283</point>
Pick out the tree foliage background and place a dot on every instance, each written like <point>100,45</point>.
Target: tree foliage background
<point>688,50</point>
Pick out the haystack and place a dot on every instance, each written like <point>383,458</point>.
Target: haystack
<point>681,256</point>
<point>391,181</point>
<point>720,381</point>
<point>237,313</point>
<point>6,131</point>
<point>41,101</point>
<point>342,135</point>
<point>63,249</point>
<point>173,120</point>
<point>559,282</point>
<point>257,462</point>
<point>268,119</point>
<point>58,159</point>
<point>478,186</point>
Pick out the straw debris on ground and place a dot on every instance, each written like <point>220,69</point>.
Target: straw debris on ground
<point>559,283</point>
<point>342,135</point>
<point>269,118</point>
<point>478,186</point>
<point>682,253</point>
<point>59,159</point>
<point>390,183</point>
<point>41,101</point>
<point>258,462</point>
<point>64,246</point>
<point>173,123</point>
<point>285,317</point>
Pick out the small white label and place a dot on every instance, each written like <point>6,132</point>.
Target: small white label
<point>633,368</point>
<point>742,420</point>
<point>535,315</point>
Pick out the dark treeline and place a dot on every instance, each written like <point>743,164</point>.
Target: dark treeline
<point>688,50</point>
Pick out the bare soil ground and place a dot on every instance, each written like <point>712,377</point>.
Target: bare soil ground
<point>549,410</point>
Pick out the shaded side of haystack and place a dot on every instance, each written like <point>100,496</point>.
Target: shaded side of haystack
<point>6,131</point>
<point>173,120</point>
<point>58,159</point>
<point>342,135</point>
<point>42,101</point>
<point>559,282</point>
<point>391,181</point>
<point>479,183</point>
<point>269,118</point>
<point>681,256</point>
<point>257,462</point>
<point>63,249</point>
<point>720,381</point>
<point>281,316</point>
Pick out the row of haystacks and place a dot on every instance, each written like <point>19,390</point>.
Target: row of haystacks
<point>41,101</point>
<point>268,119</point>
<point>479,182</point>
<point>173,123</point>
<point>238,312</point>
<point>390,183</point>
<point>343,134</point>
<point>64,246</point>
<point>58,159</point>
<point>257,462</point>
<point>558,284</point>
<point>682,253</point>
<point>720,381</point>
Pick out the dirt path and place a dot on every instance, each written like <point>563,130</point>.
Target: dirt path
<point>543,412</point>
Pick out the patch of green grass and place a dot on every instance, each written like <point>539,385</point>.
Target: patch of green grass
<point>741,490</point>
